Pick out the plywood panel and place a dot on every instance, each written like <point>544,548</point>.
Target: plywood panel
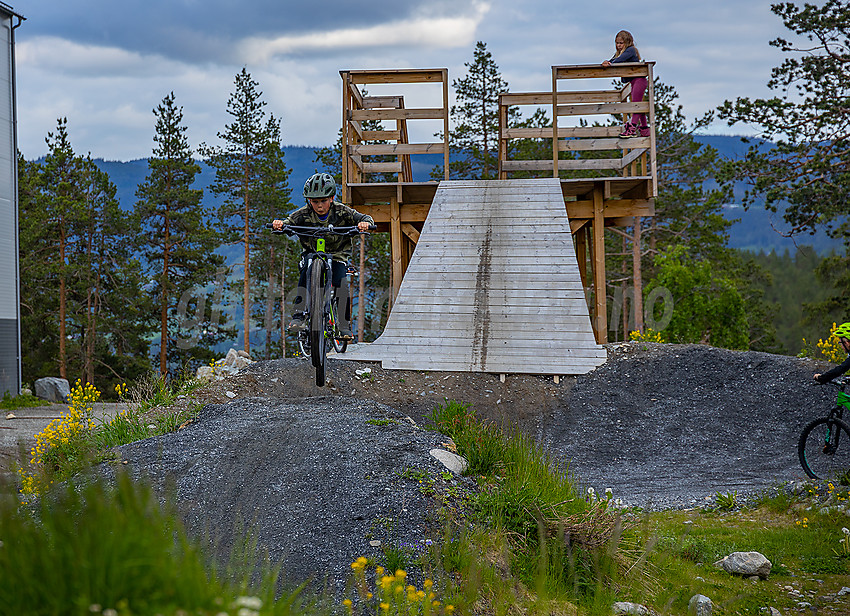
<point>492,285</point>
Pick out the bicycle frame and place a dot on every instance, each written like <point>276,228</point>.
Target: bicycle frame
<point>324,322</point>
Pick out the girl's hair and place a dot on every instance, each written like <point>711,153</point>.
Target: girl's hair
<point>628,39</point>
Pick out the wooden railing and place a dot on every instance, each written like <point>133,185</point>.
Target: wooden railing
<point>385,151</point>
<point>609,154</point>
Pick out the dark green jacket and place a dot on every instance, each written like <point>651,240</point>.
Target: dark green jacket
<point>340,215</point>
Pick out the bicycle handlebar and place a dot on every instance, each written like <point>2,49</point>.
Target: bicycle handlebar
<point>839,382</point>
<point>317,231</point>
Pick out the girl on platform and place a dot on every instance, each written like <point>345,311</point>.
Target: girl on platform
<point>625,51</point>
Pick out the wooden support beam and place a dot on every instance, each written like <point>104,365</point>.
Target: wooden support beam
<point>580,243</point>
<point>599,291</point>
<point>396,237</point>
<point>394,149</point>
<point>426,75</point>
<point>435,113</point>
<point>614,208</point>
<point>602,109</point>
<point>411,232</point>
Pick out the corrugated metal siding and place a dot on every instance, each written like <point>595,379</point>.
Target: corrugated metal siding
<point>10,378</point>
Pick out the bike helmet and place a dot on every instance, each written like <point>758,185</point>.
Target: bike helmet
<point>320,186</point>
<point>843,331</point>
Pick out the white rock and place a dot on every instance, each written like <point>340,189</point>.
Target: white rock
<point>633,609</point>
<point>205,373</point>
<point>455,463</point>
<point>745,564</point>
<point>700,605</point>
<point>230,394</point>
<point>230,357</point>
<point>243,353</point>
<point>844,591</point>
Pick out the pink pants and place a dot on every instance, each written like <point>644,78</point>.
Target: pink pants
<point>638,90</point>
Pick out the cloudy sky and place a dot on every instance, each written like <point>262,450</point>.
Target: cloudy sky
<point>105,64</point>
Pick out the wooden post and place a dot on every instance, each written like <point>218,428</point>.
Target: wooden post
<point>601,315</point>
<point>554,122</point>
<point>650,97</point>
<point>346,97</point>
<point>637,275</point>
<point>580,243</point>
<point>396,238</point>
<point>446,123</point>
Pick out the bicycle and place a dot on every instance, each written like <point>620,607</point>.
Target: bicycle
<point>819,443</point>
<point>321,302</point>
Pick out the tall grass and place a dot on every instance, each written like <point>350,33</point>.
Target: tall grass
<point>559,543</point>
<point>96,547</point>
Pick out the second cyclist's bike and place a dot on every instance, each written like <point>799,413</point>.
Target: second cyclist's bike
<point>322,309</point>
<point>824,446</point>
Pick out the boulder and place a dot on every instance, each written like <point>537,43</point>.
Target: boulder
<point>205,373</point>
<point>455,463</point>
<point>745,564</point>
<point>54,389</point>
<point>700,605</point>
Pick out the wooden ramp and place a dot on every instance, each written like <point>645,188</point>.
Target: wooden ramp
<point>493,286</point>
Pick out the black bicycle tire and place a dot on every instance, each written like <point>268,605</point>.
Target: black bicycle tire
<point>318,351</point>
<point>844,447</point>
<point>340,345</point>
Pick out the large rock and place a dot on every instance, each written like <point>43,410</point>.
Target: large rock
<point>746,564</point>
<point>455,463</point>
<point>700,605</point>
<point>53,388</point>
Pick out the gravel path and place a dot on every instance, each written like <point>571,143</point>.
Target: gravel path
<point>319,473</point>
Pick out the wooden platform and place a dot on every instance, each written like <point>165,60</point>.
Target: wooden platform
<point>493,286</point>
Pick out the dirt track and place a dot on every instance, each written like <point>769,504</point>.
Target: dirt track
<point>666,425</point>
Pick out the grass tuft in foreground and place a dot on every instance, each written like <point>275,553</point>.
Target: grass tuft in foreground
<point>113,549</point>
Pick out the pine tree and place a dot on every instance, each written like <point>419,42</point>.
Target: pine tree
<point>175,238</point>
<point>474,142</point>
<point>807,168</point>
<point>39,299</point>
<point>269,254</point>
<point>63,202</point>
<point>239,167</point>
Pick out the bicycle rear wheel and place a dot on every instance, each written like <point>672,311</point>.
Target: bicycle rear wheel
<point>318,350</point>
<point>824,449</point>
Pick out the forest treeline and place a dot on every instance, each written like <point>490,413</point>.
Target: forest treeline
<point>109,294</point>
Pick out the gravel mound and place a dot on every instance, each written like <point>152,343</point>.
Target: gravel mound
<point>320,482</point>
<point>322,473</point>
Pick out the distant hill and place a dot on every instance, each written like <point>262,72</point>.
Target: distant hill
<point>757,229</point>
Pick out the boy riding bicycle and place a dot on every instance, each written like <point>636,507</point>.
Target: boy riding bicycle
<point>322,211</point>
<point>843,335</point>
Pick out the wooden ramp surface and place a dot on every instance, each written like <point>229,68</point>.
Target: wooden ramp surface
<point>493,286</point>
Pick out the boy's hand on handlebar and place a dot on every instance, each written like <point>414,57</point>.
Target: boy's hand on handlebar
<point>277,225</point>
<point>363,226</point>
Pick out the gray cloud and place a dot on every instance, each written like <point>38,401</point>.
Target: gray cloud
<point>207,30</point>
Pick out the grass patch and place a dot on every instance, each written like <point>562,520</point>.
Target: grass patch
<point>98,548</point>
<point>74,441</point>
<point>10,403</point>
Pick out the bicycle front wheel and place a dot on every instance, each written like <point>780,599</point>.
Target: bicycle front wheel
<point>318,350</point>
<point>824,449</point>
